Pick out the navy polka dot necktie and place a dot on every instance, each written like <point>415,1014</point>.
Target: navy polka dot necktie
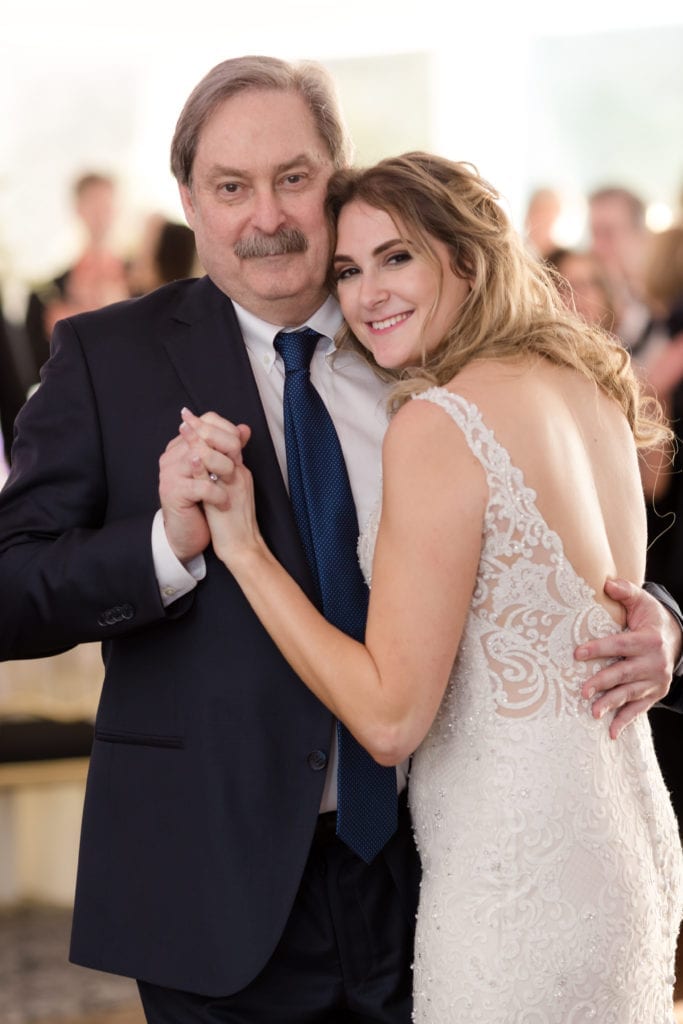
<point>325,515</point>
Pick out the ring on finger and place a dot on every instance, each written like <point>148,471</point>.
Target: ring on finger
<point>213,478</point>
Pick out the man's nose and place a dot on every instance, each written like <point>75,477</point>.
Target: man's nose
<point>267,213</point>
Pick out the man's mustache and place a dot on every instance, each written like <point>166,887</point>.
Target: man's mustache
<point>284,241</point>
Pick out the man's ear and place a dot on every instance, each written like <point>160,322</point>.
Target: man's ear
<point>188,203</point>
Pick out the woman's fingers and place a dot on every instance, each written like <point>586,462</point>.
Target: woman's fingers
<point>216,432</point>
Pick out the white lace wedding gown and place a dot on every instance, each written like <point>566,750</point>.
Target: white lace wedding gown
<point>552,873</point>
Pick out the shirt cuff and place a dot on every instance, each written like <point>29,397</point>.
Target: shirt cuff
<point>174,577</point>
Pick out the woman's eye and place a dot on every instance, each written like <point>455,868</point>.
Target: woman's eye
<point>345,273</point>
<point>399,257</point>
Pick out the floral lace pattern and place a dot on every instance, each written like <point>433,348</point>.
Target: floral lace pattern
<point>552,871</point>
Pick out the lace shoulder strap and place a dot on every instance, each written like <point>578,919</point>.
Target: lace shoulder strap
<point>512,515</point>
<point>502,477</point>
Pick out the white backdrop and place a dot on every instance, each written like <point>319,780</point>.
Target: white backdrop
<point>89,86</point>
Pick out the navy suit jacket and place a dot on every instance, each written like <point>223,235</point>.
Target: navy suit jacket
<point>206,771</point>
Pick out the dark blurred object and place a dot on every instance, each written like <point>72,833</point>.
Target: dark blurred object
<point>44,739</point>
<point>665,507</point>
<point>37,336</point>
<point>674,321</point>
<point>166,253</point>
<point>665,564</point>
<point>176,255</point>
<point>663,479</point>
<point>12,393</point>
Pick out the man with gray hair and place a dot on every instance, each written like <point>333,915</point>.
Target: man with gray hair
<point>210,866</point>
<point>619,237</point>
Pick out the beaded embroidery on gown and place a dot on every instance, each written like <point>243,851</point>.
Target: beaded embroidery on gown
<point>552,869</point>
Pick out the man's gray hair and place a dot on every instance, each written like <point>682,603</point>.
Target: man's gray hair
<point>310,80</point>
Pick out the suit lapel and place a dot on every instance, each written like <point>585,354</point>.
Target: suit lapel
<point>209,355</point>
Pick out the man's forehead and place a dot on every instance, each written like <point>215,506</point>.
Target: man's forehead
<point>262,112</point>
<point>262,130</point>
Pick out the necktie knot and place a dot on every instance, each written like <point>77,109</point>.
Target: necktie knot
<point>297,348</point>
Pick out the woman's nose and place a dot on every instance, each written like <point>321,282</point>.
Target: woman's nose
<point>372,291</point>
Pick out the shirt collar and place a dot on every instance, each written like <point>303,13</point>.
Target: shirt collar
<point>259,335</point>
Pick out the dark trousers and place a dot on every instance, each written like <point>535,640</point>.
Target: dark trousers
<point>344,956</point>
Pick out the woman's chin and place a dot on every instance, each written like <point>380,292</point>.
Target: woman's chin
<point>386,362</point>
<point>386,356</point>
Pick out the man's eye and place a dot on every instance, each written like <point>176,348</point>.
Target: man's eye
<point>230,186</point>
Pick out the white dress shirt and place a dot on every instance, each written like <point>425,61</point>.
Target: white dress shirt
<point>355,399</point>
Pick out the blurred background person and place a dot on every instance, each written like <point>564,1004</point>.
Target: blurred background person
<point>96,278</point>
<point>584,286</point>
<point>542,213</point>
<point>662,473</point>
<point>166,252</point>
<point>619,239</point>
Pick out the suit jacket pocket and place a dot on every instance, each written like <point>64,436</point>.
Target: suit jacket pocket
<point>139,739</point>
<point>139,704</point>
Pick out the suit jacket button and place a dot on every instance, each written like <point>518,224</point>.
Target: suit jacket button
<point>317,760</point>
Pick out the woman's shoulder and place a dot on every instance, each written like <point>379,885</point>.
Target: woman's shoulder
<point>486,388</point>
<point>490,376</point>
<point>528,387</point>
<point>431,437</point>
<point>428,462</point>
<point>498,386</point>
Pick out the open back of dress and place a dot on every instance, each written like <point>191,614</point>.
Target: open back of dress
<point>552,870</point>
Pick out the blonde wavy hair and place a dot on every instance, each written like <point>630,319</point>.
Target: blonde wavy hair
<point>514,307</point>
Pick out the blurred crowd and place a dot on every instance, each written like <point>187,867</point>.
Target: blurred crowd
<point>164,251</point>
<point>626,277</point>
<point>629,280</point>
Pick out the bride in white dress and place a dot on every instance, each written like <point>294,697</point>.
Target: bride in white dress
<point>552,876</point>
